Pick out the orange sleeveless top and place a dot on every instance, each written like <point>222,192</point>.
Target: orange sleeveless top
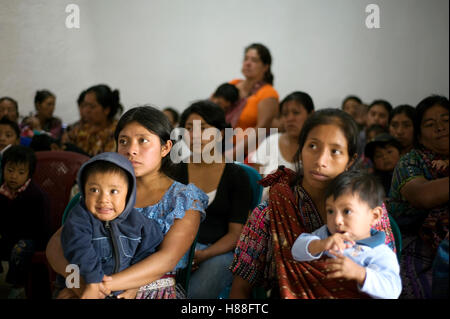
<point>249,115</point>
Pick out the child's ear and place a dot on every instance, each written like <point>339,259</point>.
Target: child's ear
<point>377,212</point>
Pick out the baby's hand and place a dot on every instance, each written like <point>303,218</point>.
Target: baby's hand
<point>440,164</point>
<point>338,242</point>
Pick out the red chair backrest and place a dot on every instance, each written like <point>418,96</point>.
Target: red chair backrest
<point>56,173</point>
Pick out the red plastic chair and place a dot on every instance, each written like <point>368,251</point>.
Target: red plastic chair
<point>55,174</point>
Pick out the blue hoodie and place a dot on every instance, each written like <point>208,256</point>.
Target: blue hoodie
<point>103,248</point>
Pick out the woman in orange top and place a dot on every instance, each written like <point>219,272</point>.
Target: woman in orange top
<point>258,104</point>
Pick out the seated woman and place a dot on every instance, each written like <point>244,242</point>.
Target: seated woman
<point>229,192</point>
<point>143,136</point>
<point>327,147</point>
<point>401,126</point>
<point>43,120</point>
<point>258,100</point>
<point>100,107</point>
<point>420,194</point>
<point>279,149</point>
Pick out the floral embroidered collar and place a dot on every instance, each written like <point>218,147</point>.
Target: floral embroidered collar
<point>4,190</point>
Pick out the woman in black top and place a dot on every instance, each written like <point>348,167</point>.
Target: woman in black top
<point>229,192</point>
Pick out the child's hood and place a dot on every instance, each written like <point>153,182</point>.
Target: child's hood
<point>123,163</point>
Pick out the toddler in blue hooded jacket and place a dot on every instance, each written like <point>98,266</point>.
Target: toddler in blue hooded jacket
<point>104,234</point>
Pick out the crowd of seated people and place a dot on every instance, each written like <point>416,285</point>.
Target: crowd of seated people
<point>203,200</point>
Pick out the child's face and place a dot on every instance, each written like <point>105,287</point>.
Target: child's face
<point>7,136</point>
<point>15,175</point>
<point>348,213</point>
<point>106,195</point>
<point>385,158</point>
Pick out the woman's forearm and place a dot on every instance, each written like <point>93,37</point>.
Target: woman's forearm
<point>146,271</point>
<point>176,243</point>
<point>55,254</point>
<point>425,194</point>
<point>225,244</point>
<point>240,288</point>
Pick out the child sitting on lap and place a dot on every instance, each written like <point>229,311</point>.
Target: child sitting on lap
<point>353,205</point>
<point>103,233</point>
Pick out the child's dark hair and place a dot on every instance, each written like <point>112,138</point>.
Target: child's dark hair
<point>228,92</point>
<point>6,121</point>
<point>43,142</point>
<point>377,128</point>
<point>367,186</point>
<point>104,167</point>
<point>20,154</point>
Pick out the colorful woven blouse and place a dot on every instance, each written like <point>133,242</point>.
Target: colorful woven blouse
<point>93,141</point>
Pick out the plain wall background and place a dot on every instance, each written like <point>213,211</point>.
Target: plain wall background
<point>172,52</point>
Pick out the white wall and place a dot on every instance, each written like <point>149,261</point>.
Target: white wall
<point>171,52</point>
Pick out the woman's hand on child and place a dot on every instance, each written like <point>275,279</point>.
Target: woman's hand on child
<point>104,285</point>
<point>344,267</point>
<point>93,291</point>
<point>128,294</point>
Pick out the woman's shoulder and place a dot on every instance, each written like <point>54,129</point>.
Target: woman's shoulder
<point>267,91</point>
<point>181,198</point>
<point>176,201</point>
<point>235,81</point>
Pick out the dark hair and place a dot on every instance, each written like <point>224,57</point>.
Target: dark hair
<point>20,154</point>
<point>213,114</point>
<point>104,167</point>
<point>377,128</point>
<point>326,117</point>
<point>42,95</point>
<point>423,106</point>
<point>266,58</point>
<point>384,103</point>
<point>351,97</point>
<point>107,99</point>
<point>301,98</point>
<point>228,92</point>
<point>10,99</point>
<point>42,142</point>
<point>367,186</point>
<point>382,140</point>
<point>154,121</point>
<point>175,114</point>
<point>81,97</point>
<point>6,121</point>
<point>406,109</point>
